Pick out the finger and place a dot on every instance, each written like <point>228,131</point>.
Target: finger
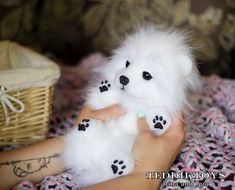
<point>177,126</point>
<point>175,135</point>
<point>110,112</point>
<point>115,110</point>
<point>142,125</point>
<point>178,150</point>
<point>84,114</point>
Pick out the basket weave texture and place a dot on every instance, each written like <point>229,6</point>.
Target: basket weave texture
<point>31,124</point>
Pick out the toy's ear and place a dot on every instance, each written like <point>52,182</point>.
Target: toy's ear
<point>186,64</point>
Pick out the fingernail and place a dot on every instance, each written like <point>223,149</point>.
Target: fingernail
<point>140,114</point>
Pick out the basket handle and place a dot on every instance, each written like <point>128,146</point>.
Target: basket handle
<point>6,101</point>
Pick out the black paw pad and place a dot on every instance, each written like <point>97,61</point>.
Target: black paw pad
<point>159,122</point>
<point>118,167</point>
<point>82,126</point>
<point>105,85</point>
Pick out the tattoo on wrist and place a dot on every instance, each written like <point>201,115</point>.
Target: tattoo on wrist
<point>23,168</point>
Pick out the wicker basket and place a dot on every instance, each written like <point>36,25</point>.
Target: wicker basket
<point>26,91</point>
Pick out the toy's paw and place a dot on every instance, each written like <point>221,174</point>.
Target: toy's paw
<point>104,86</point>
<point>159,121</point>
<point>118,167</point>
<point>83,125</point>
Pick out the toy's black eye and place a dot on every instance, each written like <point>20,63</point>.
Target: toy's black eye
<point>147,75</point>
<point>127,63</point>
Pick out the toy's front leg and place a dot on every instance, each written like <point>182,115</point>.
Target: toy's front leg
<point>159,120</point>
<point>102,95</point>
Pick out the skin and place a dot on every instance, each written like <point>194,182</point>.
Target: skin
<point>151,154</point>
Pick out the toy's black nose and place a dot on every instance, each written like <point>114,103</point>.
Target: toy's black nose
<point>123,80</point>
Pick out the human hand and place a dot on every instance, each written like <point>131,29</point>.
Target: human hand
<point>154,153</point>
<point>104,115</point>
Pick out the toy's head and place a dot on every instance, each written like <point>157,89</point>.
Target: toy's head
<point>156,67</point>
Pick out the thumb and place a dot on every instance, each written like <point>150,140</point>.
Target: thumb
<point>142,125</point>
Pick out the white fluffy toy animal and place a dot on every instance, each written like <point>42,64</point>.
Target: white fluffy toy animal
<point>149,74</point>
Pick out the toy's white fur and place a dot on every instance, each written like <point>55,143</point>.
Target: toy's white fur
<point>93,153</point>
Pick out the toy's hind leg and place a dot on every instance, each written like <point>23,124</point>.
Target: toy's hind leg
<point>81,142</point>
<point>120,165</point>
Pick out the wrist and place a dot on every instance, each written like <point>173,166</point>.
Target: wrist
<point>150,184</point>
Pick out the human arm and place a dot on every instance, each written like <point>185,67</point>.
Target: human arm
<point>32,162</point>
<point>41,159</point>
